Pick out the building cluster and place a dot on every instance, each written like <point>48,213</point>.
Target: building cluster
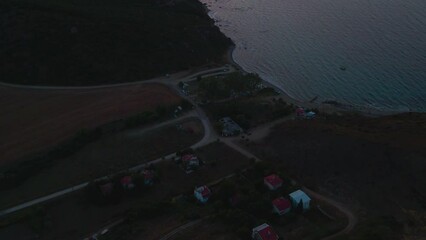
<point>127,182</point>
<point>280,205</point>
<point>301,113</point>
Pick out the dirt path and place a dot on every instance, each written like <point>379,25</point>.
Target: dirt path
<point>181,228</point>
<point>264,130</point>
<point>352,219</point>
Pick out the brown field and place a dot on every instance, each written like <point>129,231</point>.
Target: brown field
<point>108,155</point>
<point>34,120</point>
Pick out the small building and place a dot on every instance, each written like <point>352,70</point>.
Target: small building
<point>202,193</point>
<point>281,205</point>
<point>229,127</point>
<point>264,232</point>
<point>310,115</point>
<point>148,177</point>
<point>190,162</point>
<point>127,182</point>
<point>273,181</point>
<point>300,198</point>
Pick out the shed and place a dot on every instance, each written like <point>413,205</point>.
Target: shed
<point>300,198</point>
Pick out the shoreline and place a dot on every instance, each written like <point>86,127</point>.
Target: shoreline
<point>333,107</point>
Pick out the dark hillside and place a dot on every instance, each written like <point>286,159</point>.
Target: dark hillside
<point>80,42</point>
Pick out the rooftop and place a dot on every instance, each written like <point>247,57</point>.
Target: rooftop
<point>281,203</point>
<point>299,195</point>
<point>273,179</point>
<point>266,232</point>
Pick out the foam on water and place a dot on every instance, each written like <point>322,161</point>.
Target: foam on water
<point>368,53</point>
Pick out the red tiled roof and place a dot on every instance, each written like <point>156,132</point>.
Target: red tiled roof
<point>126,180</point>
<point>188,157</point>
<point>281,204</point>
<point>268,234</point>
<point>274,180</point>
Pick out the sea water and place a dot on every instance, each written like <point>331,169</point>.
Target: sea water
<point>369,53</point>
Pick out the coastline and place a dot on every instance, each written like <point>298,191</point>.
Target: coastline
<point>333,107</point>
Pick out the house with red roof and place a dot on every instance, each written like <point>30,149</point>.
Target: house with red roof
<point>127,182</point>
<point>202,193</point>
<point>300,112</point>
<point>264,232</point>
<point>281,205</point>
<point>273,181</point>
<point>190,162</point>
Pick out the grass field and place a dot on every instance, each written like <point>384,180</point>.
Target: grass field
<point>35,120</point>
<point>105,156</point>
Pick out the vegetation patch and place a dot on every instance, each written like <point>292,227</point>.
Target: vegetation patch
<point>228,86</point>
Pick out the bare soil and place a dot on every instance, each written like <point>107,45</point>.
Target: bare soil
<point>35,120</point>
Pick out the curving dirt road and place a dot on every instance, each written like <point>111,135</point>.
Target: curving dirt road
<point>352,219</point>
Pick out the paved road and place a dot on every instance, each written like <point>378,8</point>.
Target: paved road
<point>180,76</point>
